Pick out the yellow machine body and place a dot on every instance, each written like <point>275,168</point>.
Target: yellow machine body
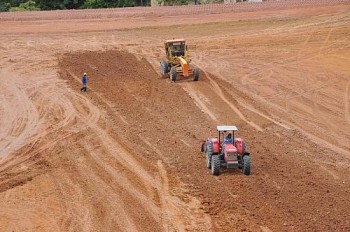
<point>176,53</point>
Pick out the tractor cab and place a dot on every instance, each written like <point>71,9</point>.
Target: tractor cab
<point>223,132</point>
<point>175,48</point>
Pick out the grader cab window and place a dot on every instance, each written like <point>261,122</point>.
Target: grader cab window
<point>177,49</point>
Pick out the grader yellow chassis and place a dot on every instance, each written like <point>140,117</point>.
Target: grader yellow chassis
<point>177,62</point>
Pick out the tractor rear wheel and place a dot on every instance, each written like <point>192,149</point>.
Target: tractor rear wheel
<point>209,148</point>
<point>246,165</point>
<point>195,74</point>
<point>207,159</point>
<point>208,154</point>
<point>215,165</point>
<point>173,74</point>
<point>163,68</point>
<point>244,148</point>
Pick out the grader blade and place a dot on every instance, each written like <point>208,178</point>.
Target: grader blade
<point>184,66</point>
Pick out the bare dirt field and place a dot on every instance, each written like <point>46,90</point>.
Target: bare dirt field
<point>125,155</point>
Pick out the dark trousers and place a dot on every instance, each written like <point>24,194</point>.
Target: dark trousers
<point>83,88</point>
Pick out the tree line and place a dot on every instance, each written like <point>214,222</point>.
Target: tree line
<point>35,5</point>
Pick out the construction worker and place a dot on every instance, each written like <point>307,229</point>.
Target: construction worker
<point>84,82</point>
<point>228,139</point>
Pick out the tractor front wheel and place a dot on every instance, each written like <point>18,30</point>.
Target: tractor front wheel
<point>215,165</point>
<point>163,68</point>
<point>195,74</point>
<point>246,165</point>
<point>173,74</point>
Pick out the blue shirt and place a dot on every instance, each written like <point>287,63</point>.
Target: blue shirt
<point>228,140</point>
<point>83,79</point>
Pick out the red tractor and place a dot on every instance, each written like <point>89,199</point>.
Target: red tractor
<point>226,151</point>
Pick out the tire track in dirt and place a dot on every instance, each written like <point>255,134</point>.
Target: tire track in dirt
<point>231,105</point>
<point>78,217</point>
<point>296,91</point>
<point>238,99</point>
<point>26,160</point>
<point>346,102</point>
<point>125,183</point>
<point>87,169</point>
<point>126,159</point>
<point>216,89</point>
<point>130,82</point>
<point>100,97</point>
<point>21,117</point>
<point>66,120</point>
<point>318,113</point>
<point>190,90</point>
<point>85,111</point>
<point>72,108</point>
<point>28,215</point>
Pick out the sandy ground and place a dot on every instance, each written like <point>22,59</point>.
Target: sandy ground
<point>125,156</point>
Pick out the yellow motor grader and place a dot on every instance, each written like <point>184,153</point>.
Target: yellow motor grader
<point>177,62</point>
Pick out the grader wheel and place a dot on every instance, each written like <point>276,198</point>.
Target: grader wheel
<point>173,74</point>
<point>163,68</point>
<point>195,74</point>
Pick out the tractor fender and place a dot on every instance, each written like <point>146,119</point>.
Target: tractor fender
<point>211,146</point>
<point>241,147</point>
<point>216,145</point>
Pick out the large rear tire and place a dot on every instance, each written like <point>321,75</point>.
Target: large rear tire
<point>209,148</point>
<point>163,68</point>
<point>173,74</point>
<point>208,161</point>
<point>244,148</point>
<point>195,74</point>
<point>208,154</point>
<point>215,165</point>
<point>246,165</point>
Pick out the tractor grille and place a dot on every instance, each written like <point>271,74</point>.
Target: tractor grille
<point>233,164</point>
<point>232,156</point>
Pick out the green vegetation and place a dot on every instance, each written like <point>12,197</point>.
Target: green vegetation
<point>93,4</point>
<point>32,5</point>
<point>26,6</point>
<point>4,6</point>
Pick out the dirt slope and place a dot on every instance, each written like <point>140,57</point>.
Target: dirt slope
<point>164,120</point>
<point>125,156</point>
